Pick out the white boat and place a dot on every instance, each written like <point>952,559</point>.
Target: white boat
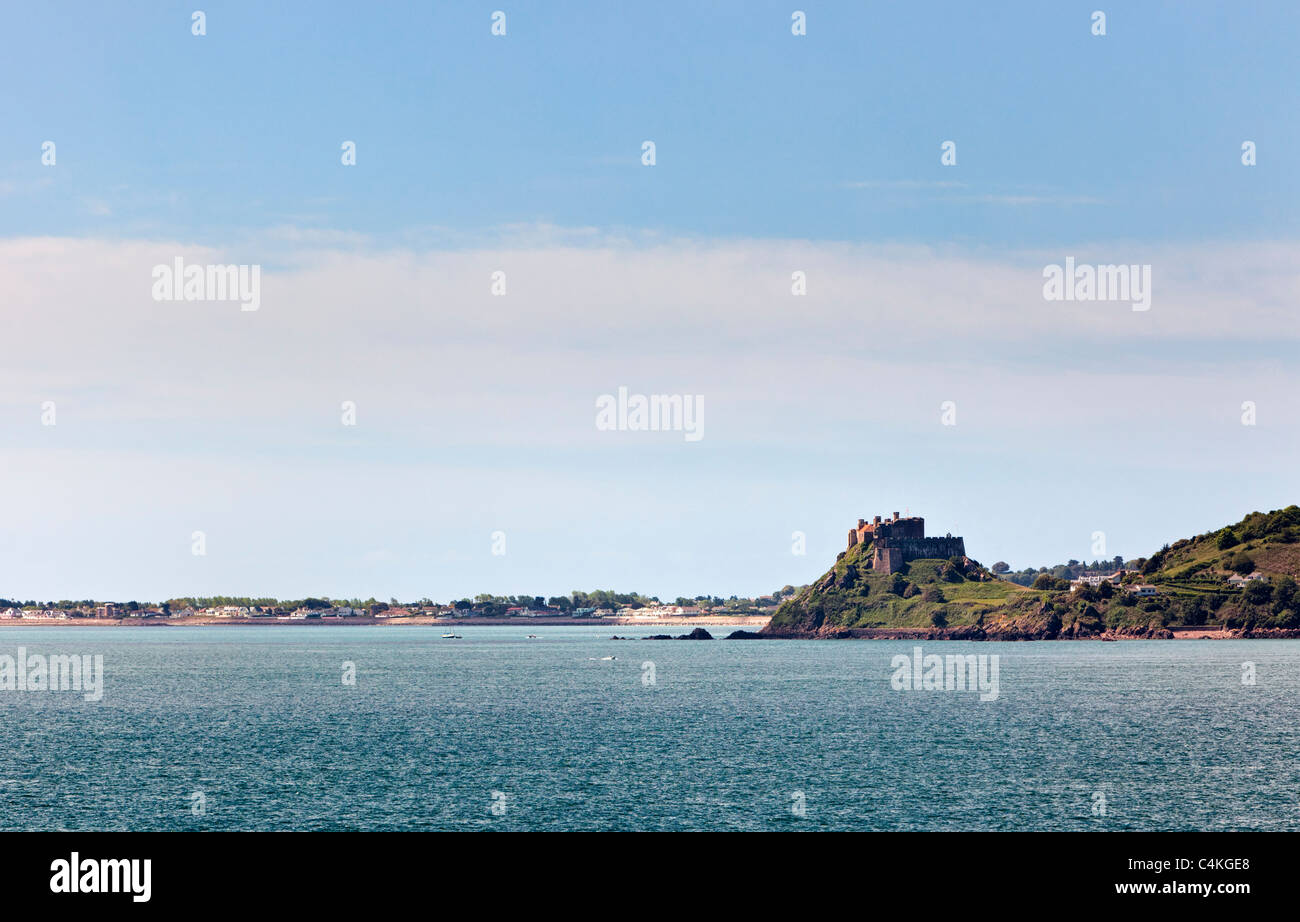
<point>452,637</point>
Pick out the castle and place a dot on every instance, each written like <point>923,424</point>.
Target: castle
<point>900,540</point>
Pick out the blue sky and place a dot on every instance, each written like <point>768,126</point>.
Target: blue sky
<point>522,153</point>
<point>758,133</point>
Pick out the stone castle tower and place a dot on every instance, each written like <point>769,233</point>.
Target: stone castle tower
<point>897,541</point>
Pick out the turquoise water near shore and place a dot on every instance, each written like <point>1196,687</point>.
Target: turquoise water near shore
<point>259,722</point>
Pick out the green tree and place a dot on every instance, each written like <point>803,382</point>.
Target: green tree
<point>1258,593</point>
<point>1242,563</point>
<point>1284,592</point>
<point>1156,561</point>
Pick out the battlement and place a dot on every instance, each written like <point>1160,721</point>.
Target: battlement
<point>911,527</point>
<point>898,540</point>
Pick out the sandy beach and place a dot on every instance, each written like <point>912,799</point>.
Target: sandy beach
<point>1201,633</point>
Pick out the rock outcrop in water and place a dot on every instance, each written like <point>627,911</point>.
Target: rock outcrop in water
<point>698,634</point>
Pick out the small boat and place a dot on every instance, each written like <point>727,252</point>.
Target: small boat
<point>532,636</point>
<point>452,637</point>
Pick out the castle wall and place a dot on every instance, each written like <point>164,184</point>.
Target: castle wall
<point>911,527</point>
<point>886,559</point>
<point>902,528</point>
<point>898,540</point>
<point>891,553</point>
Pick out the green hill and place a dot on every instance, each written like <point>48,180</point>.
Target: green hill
<point>959,598</point>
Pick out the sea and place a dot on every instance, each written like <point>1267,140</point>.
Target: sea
<point>397,728</point>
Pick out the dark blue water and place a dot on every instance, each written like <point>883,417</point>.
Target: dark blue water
<point>258,721</point>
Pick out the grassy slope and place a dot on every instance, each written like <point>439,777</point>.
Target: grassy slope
<point>851,596</point>
<point>1271,540</point>
<point>1192,576</point>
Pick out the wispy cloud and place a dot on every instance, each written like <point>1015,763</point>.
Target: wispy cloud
<point>992,199</point>
<point>906,184</point>
<point>953,191</point>
<point>581,306</point>
<point>475,410</point>
<point>10,187</point>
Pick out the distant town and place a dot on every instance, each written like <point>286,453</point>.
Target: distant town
<point>577,607</point>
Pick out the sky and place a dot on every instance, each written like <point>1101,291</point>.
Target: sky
<point>923,371</point>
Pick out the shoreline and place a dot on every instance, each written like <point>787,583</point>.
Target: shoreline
<point>738,621</point>
<point>967,634</point>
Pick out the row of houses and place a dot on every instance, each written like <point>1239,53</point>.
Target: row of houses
<point>1096,580</point>
<point>341,611</point>
<point>243,612</point>
<point>35,614</point>
<point>1143,590</point>
<point>62,614</point>
<point>661,611</point>
<point>1235,581</point>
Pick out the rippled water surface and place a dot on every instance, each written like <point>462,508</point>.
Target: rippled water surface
<point>1155,734</point>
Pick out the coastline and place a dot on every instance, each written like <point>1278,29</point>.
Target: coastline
<point>976,634</point>
<point>739,621</point>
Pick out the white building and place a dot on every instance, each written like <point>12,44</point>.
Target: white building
<point>1095,581</point>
